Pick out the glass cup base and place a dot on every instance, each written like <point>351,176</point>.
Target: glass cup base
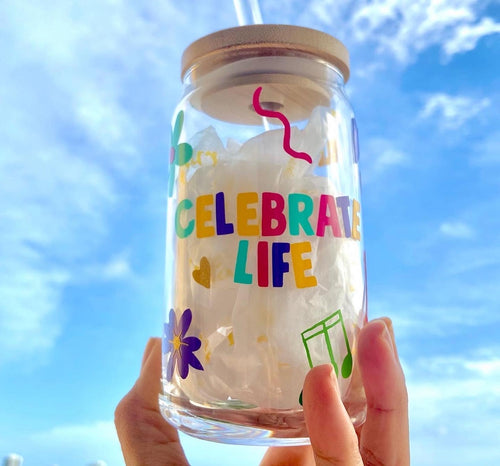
<point>255,427</point>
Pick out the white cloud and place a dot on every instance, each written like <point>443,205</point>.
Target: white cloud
<point>117,268</point>
<point>47,206</point>
<point>75,444</point>
<point>68,87</point>
<point>488,367</point>
<point>85,444</point>
<point>456,230</point>
<point>478,256</point>
<point>482,363</point>
<point>417,318</point>
<point>452,372</point>
<point>105,121</point>
<point>28,317</point>
<point>452,111</point>
<point>467,36</point>
<point>444,302</point>
<point>389,157</point>
<point>486,153</point>
<point>473,259</point>
<point>396,28</point>
<point>404,28</point>
<point>447,420</point>
<point>380,156</point>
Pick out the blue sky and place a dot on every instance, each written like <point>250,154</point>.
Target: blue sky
<point>87,90</point>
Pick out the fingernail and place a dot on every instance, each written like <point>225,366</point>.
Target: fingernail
<point>385,334</point>
<point>325,372</point>
<point>147,351</point>
<point>333,376</point>
<point>388,338</point>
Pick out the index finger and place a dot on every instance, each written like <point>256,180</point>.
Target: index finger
<point>332,434</point>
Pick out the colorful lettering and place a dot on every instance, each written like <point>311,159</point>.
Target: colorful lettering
<point>300,265</point>
<point>203,216</point>
<point>223,228</point>
<point>280,267</point>
<point>183,232</point>
<point>343,202</point>
<point>263,264</point>
<point>298,217</point>
<point>246,213</point>
<point>272,217</point>
<point>240,273</point>
<point>355,220</point>
<point>327,204</point>
<point>273,205</point>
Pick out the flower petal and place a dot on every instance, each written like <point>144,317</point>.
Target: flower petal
<point>171,180</point>
<point>177,329</point>
<point>193,343</point>
<point>195,362</point>
<point>168,329</point>
<point>183,153</point>
<point>171,366</point>
<point>172,322</point>
<point>183,366</point>
<point>166,345</point>
<point>185,322</point>
<point>176,133</point>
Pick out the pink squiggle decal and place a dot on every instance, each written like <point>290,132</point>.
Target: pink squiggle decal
<point>286,124</point>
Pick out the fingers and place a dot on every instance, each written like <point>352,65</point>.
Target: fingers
<point>145,437</point>
<point>332,435</point>
<point>384,436</point>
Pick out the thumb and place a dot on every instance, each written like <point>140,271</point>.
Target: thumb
<point>145,437</point>
<point>332,434</point>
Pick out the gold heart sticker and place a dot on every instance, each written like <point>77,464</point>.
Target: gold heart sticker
<point>202,275</point>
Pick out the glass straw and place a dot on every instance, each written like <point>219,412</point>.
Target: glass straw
<point>248,12</point>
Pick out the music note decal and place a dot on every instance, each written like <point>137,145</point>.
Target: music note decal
<point>321,334</point>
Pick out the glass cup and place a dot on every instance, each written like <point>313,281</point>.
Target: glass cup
<point>265,265</point>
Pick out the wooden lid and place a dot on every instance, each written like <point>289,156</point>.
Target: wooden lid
<point>235,43</point>
<point>290,85</point>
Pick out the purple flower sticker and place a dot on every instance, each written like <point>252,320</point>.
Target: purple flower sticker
<point>180,347</point>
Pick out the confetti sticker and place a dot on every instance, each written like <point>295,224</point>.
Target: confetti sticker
<point>202,275</point>
<point>180,153</point>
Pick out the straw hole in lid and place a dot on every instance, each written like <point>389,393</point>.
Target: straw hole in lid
<point>268,105</point>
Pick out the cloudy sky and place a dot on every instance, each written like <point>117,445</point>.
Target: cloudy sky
<point>87,90</point>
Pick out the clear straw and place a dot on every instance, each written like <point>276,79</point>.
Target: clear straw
<point>248,12</point>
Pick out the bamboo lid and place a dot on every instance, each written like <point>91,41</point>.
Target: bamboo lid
<point>231,44</point>
<point>289,91</point>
